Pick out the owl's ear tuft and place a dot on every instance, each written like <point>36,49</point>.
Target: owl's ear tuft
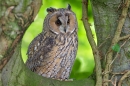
<point>69,7</point>
<point>50,10</point>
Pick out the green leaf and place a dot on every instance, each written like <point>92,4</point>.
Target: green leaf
<point>116,48</point>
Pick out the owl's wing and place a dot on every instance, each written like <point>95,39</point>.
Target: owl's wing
<point>32,49</point>
<point>39,50</point>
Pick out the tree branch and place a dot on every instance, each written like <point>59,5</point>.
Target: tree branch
<point>124,37</point>
<point>127,74</point>
<point>18,73</point>
<point>92,43</point>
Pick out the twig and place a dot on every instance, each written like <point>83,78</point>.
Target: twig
<point>127,74</point>
<point>124,37</point>
<point>115,40</point>
<point>92,43</point>
<point>114,83</point>
<point>115,80</point>
<point>119,73</point>
<point>111,80</point>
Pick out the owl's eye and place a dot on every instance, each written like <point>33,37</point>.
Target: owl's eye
<point>58,22</point>
<point>68,21</point>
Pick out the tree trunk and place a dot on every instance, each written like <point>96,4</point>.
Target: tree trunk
<point>113,40</point>
<point>112,44</point>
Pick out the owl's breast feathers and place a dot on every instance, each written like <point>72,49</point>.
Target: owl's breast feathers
<point>52,56</point>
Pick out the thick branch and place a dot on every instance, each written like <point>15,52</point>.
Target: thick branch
<point>92,43</point>
<point>18,73</point>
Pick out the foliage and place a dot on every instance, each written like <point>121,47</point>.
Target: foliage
<point>84,62</point>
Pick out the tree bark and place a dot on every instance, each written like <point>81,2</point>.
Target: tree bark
<point>108,18</point>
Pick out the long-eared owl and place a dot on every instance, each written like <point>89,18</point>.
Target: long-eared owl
<point>52,53</point>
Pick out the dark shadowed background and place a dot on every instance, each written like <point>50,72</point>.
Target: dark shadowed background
<point>84,63</point>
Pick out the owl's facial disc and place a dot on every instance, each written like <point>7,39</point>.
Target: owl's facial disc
<point>62,22</point>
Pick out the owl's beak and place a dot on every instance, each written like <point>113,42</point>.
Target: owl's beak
<point>65,29</point>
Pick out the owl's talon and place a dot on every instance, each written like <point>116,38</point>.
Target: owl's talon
<point>68,79</point>
<point>64,79</point>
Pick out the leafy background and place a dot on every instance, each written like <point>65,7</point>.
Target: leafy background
<point>84,63</point>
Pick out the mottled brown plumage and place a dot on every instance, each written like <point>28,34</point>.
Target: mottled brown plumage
<point>52,53</point>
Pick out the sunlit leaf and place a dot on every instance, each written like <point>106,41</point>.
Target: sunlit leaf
<point>116,48</point>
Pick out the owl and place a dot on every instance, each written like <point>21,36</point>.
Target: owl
<point>52,53</point>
